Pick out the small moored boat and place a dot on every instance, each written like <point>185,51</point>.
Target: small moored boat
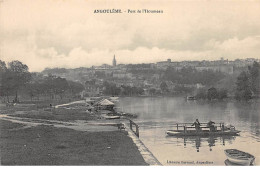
<point>112,117</point>
<point>190,98</point>
<point>239,157</point>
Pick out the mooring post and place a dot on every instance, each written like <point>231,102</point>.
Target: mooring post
<point>137,130</point>
<point>130,124</point>
<point>184,129</point>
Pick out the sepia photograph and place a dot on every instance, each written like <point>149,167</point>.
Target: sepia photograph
<point>130,83</point>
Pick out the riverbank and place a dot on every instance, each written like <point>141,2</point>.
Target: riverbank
<point>62,136</point>
<point>49,145</point>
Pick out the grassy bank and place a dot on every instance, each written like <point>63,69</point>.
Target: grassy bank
<point>47,145</point>
<point>25,111</point>
<point>64,115</point>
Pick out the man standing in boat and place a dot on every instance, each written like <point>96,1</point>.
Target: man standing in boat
<point>211,126</point>
<point>197,125</point>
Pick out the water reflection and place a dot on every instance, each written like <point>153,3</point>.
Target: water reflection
<point>198,141</point>
<point>157,115</point>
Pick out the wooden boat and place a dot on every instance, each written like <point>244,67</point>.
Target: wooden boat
<point>185,129</point>
<point>190,98</point>
<point>201,133</point>
<point>239,157</point>
<point>112,117</point>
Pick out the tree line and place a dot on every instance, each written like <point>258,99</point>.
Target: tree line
<point>124,90</point>
<point>212,94</point>
<point>248,83</point>
<point>247,86</point>
<point>15,80</point>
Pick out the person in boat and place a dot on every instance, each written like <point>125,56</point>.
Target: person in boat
<point>197,125</point>
<point>211,125</point>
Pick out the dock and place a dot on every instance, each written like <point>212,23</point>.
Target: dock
<point>149,158</point>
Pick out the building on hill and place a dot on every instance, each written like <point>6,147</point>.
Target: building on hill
<point>217,68</point>
<point>122,74</point>
<point>165,64</point>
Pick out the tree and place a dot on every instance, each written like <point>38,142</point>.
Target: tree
<point>20,76</point>
<point>222,94</point>
<point>212,93</point>
<point>14,78</point>
<point>3,70</point>
<point>201,94</point>
<point>48,85</point>
<point>127,90</point>
<point>3,67</point>
<point>75,87</point>
<point>164,87</point>
<point>255,78</point>
<point>60,85</point>
<point>243,90</point>
<point>182,89</point>
<point>111,88</point>
<point>152,91</point>
<point>55,86</point>
<point>34,89</point>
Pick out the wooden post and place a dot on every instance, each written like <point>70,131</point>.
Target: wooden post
<point>184,129</point>
<point>137,130</point>
<point>131,125</point>
<point>177,127</point>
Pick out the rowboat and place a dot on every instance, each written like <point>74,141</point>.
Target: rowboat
<point>185,129</point>
<point>239,157</point>
<point>112,117</point>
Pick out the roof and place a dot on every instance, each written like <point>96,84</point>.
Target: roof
<point>104,102</point>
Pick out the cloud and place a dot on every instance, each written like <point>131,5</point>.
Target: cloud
<point>47,33</point>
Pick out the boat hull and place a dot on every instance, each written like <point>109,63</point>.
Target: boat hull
<point>202,133</point>
<point>240,161</point>
<point>240,158</point>
<point>228,163</point>
<point>112,117</point>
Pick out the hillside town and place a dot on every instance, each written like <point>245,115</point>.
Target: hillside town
<point>150,78</point>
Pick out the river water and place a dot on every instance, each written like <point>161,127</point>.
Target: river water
<point>158,114</point>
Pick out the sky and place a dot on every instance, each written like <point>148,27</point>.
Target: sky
<point>67,33</point>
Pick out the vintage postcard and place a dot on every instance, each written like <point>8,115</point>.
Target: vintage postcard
<point>130,82</point>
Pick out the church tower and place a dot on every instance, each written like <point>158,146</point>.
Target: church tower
<point>114,61</point>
